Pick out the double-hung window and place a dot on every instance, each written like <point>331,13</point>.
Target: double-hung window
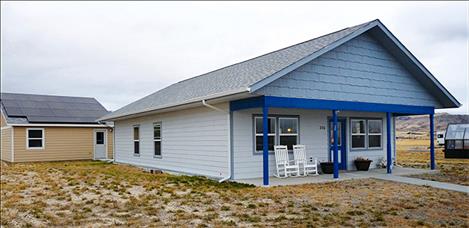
<point>375,133</point>
<point>288,131</point>
<point>136,138</point>
<point>366,133</point>
<point>259,133</point>
<point>157,139</point>
<point>35,138</point>
<point>358,134</point>
<point>281,131</point>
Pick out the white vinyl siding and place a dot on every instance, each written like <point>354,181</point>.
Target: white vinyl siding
<point>194,141</point>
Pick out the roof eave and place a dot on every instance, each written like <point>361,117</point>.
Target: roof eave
<point>110,117</point>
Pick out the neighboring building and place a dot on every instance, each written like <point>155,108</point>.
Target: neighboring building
<point>440,138</point>
<point>53,128</point>
<point>212,124</point>
<point>457,141</point>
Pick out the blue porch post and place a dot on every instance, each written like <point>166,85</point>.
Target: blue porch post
<point>335,146</point>
<point>265,143</point>
<point>432,143</point>
<point>388,143</point>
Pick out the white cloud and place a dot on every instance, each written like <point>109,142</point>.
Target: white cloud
<point>121,51</point>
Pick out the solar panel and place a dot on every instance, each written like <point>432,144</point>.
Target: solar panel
<point>53,109</point>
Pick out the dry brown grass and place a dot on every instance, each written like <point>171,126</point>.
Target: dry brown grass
<point>100,194</point>
<point>414,153</point>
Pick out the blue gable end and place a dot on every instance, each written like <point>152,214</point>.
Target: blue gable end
<point>359,70</point>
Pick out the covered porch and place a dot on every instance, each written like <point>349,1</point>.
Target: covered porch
<point>268,103</point>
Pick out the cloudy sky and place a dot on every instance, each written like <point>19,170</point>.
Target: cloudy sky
<point>119,52</point>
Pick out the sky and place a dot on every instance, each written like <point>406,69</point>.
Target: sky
<point>119,52</point>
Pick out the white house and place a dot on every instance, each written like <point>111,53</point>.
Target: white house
<point>357,79</point>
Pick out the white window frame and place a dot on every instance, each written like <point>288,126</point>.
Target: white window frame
<point>297,134</point>
<point>136,140</point>
<point>261,134</point>
<point>365,144</point>
<point>158,140</point>
<point>43,139</point>
<point>368,134</point>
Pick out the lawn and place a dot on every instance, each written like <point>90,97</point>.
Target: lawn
<point>414,153</point>
<point>101,194</point>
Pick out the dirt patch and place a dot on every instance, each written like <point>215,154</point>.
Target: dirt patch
<point>450,170</point>
<point>100,194</point>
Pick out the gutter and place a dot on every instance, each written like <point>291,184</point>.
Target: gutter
<point>229,138</point>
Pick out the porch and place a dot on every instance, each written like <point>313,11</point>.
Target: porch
<point>344,175</point>
<point>325,112</point>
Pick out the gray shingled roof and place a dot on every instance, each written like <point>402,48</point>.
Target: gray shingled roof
<point>32,108</point>
<point>231,79</point>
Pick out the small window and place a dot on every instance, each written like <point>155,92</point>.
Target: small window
<point>259,133</point>
<point>358,134</point>
<point>466,143</point>
<point>35,138</point>
<point>458,144</point>
<point>99,138</point>
<point>288,132</point>
<point>136,140</point>
<point>157,139</point>
<point>375,131</point>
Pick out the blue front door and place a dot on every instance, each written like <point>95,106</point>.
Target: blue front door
<point>342,143</point>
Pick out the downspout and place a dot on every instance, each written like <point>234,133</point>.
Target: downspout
<point>229,137</point>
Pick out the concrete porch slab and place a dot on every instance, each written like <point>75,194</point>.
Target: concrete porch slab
<point>344,175</point>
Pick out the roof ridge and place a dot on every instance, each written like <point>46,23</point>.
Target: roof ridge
<point>45,95</point>
<point>293,45</point>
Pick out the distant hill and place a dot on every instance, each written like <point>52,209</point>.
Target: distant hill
<point>418,126</point>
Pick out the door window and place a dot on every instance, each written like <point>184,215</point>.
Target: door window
<point>339,133</point>
<point>99,138</point>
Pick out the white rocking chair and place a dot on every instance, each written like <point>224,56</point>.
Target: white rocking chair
<point>285,167</point>
<point>299,154</point>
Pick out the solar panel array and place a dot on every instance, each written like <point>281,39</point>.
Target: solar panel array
<point>52,109</point>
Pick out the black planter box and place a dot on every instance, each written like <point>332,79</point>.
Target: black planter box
<point>327,167</point>
<point>363,165</point>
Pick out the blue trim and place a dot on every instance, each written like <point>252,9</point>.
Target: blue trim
<point>287,102</point>
<point>432,143</point>
<point>265,131</point>
<point>388,143</point>
<point>254,102</point>
<point>303,103</point>
<point>335,146</point>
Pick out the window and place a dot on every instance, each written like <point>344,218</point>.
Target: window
<point>282,131</point>
<point>35,138</point>
<point>366,134</point>
<point>99,138</point>
<point>157,139</point>
<point>288,132</point>
<point>375,132</point>
<point>358,133</point>
<point>137,140</point>
<point>259,133</point>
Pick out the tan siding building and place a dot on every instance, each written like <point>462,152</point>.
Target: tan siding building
<point>73,135</point>
<point>60,143</point>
